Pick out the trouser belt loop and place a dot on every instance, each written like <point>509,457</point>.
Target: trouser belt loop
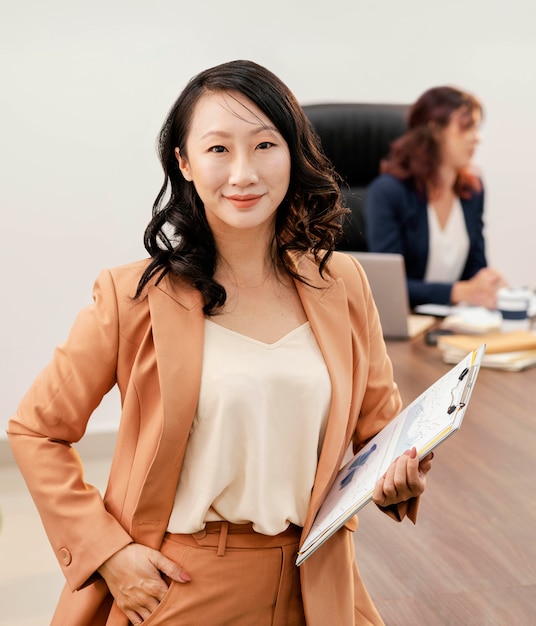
<point>223,538</point>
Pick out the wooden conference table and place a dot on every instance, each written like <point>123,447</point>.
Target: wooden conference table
<point>471,558</point>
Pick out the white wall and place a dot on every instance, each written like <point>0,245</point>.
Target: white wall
<point>86,85</point>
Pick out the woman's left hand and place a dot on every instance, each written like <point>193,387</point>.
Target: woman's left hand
<point>405,479</point>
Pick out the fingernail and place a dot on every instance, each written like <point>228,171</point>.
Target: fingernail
<point>185,578</point>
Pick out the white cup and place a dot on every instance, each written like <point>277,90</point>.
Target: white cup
<point>513,305</point>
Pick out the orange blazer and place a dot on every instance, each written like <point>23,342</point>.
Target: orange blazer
<point>152,350</point>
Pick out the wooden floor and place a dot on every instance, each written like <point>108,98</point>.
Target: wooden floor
<point>471,558</point>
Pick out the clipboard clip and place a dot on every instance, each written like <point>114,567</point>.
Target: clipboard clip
<point>453,406</point>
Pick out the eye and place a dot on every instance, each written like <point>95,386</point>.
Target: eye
<point>217,149</point>
<point>265,145</point>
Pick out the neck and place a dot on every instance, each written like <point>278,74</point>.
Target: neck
<point>446,180</point>
<point>248,274</point>
<point>244,263</point>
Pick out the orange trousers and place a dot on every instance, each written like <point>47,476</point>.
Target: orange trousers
<point>239,578</point>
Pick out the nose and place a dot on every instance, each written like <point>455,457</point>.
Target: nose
<point>242,172</point>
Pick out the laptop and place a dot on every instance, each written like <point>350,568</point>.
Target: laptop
<point>386,274</point>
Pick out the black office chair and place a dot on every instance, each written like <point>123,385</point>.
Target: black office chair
<point>355,137</point>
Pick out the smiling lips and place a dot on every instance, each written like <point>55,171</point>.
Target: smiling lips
<point>244,201</point>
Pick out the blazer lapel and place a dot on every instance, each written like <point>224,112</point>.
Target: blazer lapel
<point>178,329</point>
<point>326,306</point>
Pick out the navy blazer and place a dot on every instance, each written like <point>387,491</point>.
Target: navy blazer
<point>397,221</point>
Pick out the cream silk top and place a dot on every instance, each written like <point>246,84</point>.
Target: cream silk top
<point>448,247</point>
<point>256,437</point>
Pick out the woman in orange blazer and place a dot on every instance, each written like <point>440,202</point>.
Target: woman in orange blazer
<point>237,147</point>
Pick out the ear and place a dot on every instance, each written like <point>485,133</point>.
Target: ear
<point>183,165</point>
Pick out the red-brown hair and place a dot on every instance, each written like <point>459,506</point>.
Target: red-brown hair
<point>416,154</point>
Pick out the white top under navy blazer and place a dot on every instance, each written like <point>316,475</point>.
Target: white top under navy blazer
<point>397,221</point>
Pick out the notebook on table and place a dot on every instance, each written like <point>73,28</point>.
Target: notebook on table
<point>386,274</point>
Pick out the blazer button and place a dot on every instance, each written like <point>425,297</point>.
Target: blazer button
<point>65,556</point>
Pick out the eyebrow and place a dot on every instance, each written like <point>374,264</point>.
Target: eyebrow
<point>256,131</point>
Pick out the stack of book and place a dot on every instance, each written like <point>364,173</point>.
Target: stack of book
<point>512,351</point>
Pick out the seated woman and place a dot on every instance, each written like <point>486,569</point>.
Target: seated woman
<point>427,205</point>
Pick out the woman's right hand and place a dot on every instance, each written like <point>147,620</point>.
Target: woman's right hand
<point>133,578</point>
<point>480,290</point>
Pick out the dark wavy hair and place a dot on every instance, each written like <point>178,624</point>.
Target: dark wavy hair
<point>416,154</point>
<point>309,219</point>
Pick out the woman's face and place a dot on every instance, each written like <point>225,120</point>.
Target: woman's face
<point>238,162</point>
<point>459,139</point>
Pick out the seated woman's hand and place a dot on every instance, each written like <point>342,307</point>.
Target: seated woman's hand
<point>404,479</point>
<point>480,290</point>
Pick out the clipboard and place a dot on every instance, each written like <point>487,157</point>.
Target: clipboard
<point>424,424</point>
